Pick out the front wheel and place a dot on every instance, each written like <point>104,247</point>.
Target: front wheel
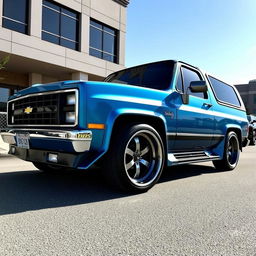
<point>136,158</point>
<point>231,153</point>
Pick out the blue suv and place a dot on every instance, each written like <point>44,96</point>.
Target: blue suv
<point>134,123</point>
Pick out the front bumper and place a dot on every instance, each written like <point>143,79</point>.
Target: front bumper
<point>64,141</point>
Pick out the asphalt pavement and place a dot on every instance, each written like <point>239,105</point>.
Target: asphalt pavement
<point>193,210</point>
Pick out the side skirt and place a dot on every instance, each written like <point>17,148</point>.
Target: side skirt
<point>190,157</point>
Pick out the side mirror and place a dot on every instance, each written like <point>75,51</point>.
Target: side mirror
<point>198,86</point>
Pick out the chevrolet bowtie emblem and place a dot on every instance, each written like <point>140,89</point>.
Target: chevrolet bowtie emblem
<point>28,110</point>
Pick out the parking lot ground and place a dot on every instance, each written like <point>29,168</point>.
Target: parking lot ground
<point>193,210</point>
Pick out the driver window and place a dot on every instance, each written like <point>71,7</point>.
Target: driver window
<point>189,76</point>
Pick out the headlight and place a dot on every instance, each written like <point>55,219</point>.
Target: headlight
<point>71,99</point>
<point>70,117</point>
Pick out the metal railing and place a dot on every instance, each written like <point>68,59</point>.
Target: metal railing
<point>3,120</point>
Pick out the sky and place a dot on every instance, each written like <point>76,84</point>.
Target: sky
<point>218,36</point>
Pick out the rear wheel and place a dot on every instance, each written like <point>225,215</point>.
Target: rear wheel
<point>136,158</point>
<point>231,153</point>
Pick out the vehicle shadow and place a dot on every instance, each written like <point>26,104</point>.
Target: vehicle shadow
<point>186,171</point>
<point>33,190</point>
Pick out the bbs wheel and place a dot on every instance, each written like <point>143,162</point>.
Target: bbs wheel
<point>136,158</point>
<point>231,153</point>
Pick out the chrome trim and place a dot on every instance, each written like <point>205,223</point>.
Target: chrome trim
<point>194,134</point>
<point>194,159</point>
<point>79,144</point>
<point>45,93</point>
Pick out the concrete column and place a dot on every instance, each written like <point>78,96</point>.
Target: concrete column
<point>85,33</point>
<point>80,76</point>
<point>35,78</point>
<point>1,12</point>
<point>121,48</point>
<point>36,8</point>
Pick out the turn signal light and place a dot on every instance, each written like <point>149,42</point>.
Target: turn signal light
<point>96,126</point>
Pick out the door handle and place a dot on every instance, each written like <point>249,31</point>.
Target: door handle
<point>207,105</point>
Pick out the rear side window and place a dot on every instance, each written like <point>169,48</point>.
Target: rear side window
<point>224,92</point>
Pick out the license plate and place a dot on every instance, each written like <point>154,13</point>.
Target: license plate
<point>22,140</point>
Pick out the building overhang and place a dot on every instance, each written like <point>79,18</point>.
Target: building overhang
<point>122,2</point>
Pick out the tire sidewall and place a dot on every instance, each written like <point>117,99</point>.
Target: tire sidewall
<point>124,138</point>
<point>229,137</point>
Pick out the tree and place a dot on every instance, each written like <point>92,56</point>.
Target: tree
<point>4,61</point>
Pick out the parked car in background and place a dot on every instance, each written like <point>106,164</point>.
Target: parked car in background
<point>134,123</point>
<point>252,129</point>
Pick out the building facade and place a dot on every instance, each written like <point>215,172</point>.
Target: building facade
<point>248,94</point>
<point>55,40</point>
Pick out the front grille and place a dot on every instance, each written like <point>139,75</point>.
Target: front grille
<point>44,109</point>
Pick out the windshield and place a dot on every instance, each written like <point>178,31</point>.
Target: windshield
<point>156,75</point>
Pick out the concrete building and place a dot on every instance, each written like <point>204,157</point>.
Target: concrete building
<point>248,94</point>
<point>55,40</point>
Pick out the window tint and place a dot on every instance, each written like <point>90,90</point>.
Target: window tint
<point>188,77</point>
<point>15,15</point>
<point>155,75</point>
<point>60,25</point>
<point>224,92</point>
<point>103,41</point>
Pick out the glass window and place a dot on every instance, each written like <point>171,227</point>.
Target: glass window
<point>96,38</point>
<point>224,92</point>
<point>15,15</point>
<point>103,41</point>
<point>188,77</point>
<point>254,99</point>
<point>60,25</point>
<point>51,21</point>
<point>68,28</point>
<point>154,75</point>
<point>4,95</point>
<point>109,43</point>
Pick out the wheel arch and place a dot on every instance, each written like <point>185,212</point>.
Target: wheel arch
<point>127,119</point>
<point>238,131</point>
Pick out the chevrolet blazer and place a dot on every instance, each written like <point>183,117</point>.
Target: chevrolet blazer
<point>134,123</point>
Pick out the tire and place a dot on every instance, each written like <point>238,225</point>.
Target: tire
<point>253,138</point>
<point>136,158</point>
<point>48,168</point>
<point>231,153</point>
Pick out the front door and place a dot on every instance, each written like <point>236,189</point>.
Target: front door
<point>195,123</point>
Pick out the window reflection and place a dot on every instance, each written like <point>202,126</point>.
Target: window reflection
<point>103,41</point>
